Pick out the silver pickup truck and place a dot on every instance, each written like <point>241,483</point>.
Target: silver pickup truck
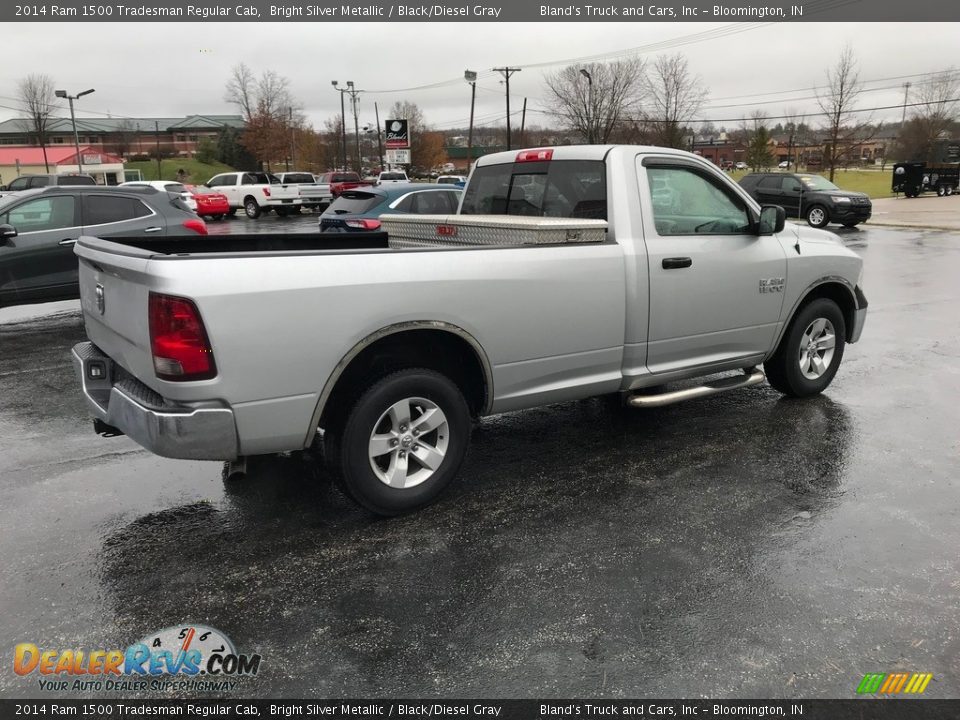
<point>385,354</point>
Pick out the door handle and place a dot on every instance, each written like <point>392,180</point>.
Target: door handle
<point>68,241</point>
<point>676,263</point>
<point>152,229</point>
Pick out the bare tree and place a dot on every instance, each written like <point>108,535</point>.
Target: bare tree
<point>932,120</point>
<point>268,110</point>
<point>838,100</point>
<point>36,92</point>
<point>674,95</point>
<point>242,90</point>
<point>595,99</point>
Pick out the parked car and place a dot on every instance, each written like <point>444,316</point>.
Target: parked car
<point>811,197</point>
<point>412,345</point>
<point>358,210</point>
<point>341,180</point>
<point>26,182</point>
<point>740,165</point>
<point>783,164</point>
<point>256,193</point>
<point>313,194</point>
<point>392,176</point>
<point>210,203</point>
<point>458,180</point>
<point>39,227</point>
<point>175,188</point>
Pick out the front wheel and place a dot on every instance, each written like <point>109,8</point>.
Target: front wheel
<point>402,442</point>
<point>251,208</point>
<point>818,217</point>
<point>810,351</point>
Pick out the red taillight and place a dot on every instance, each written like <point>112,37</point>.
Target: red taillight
<point>181,350</point>
<point>363,224</point>
<point>447,230</point>
<point>534,155</point>
<point>266,192</point>
<point>197,225</point>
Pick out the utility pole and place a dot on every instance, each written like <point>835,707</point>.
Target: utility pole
<point>523,124</point>
<point>156,135</point>
<point>290,123</point>
<point>356,123</point>
<point>906,94</point>
<point>73,120</point>
<point>507,72</point>
<point>589,77</point>
<point>376,112</point>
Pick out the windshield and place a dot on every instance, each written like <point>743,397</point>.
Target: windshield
<point>354,202</point>
<point>392,176</point>
<point>298,178</point>
<point>815,182</point>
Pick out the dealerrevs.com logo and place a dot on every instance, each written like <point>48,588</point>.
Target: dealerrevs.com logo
<point>187,657</point>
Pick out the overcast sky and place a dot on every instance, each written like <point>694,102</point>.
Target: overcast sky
<point>175,69</point>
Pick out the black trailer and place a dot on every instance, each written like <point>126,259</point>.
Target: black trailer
<point>913,178</point>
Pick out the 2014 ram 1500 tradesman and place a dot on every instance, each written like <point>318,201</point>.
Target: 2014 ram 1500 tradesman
<point>251,344</point>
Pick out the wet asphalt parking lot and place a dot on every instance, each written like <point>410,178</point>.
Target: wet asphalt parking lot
<point>741,546</point>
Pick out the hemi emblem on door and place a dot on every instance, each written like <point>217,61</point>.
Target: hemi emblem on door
<point>101,301</point>
<point>771,285</point>
<point>447,230</point>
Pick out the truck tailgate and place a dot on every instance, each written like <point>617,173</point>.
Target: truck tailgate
<point>114,296</point>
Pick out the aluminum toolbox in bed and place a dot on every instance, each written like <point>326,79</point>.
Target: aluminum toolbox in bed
<point>418,231</point>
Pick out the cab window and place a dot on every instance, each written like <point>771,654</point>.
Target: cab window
<point>686,202</point>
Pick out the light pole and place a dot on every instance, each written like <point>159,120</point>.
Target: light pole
<point>343,124</point>
<point>589,77</point>
<point>73,119</point>
<point>471,77</point>
<point>356,122</point>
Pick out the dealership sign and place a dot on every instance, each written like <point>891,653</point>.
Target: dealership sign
<point>398,157</point>
<point>398,134</point>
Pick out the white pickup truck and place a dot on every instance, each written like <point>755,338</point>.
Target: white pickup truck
<point>629,269</point>
<point>256,192</point>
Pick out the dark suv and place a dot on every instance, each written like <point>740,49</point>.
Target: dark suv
<point>38,229</point>
<point>812,197</point>
<point>27,182</point>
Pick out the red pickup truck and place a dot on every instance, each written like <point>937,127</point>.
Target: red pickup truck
<point>340,181</point>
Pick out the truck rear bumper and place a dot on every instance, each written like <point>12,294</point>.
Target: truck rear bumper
<point>164,428</point>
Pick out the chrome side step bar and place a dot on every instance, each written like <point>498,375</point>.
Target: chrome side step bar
<point>751,376</point>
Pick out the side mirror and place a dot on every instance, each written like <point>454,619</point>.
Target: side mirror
<point>7,232</point>
<point>772,220</point>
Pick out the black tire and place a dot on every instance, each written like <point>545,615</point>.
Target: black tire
<point>347,442</point>
<point>818,216</point>
<point>232,212</point>
<point>783,369</point>
<point>949,190</point>
<point>282,212</point>
<point>252,208</point>
<point>218,217</point>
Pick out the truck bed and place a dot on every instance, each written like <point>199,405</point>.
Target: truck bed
<point>255,243</point>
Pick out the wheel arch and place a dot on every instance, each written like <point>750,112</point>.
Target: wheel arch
<point>833,288</point>
<point>435,345</point>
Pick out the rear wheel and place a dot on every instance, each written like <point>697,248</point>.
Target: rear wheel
<point>949,190</point>
<point>817,216</point>
<point>941,190</point>
<point>218,217</point>
<point>252,208</point>
<point>810,351</point>
<point>402,442</point>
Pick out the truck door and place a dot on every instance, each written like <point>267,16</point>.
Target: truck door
<point>715,285</point>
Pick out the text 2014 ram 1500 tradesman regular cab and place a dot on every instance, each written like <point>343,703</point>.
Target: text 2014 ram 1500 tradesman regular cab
<point>233,348</point>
